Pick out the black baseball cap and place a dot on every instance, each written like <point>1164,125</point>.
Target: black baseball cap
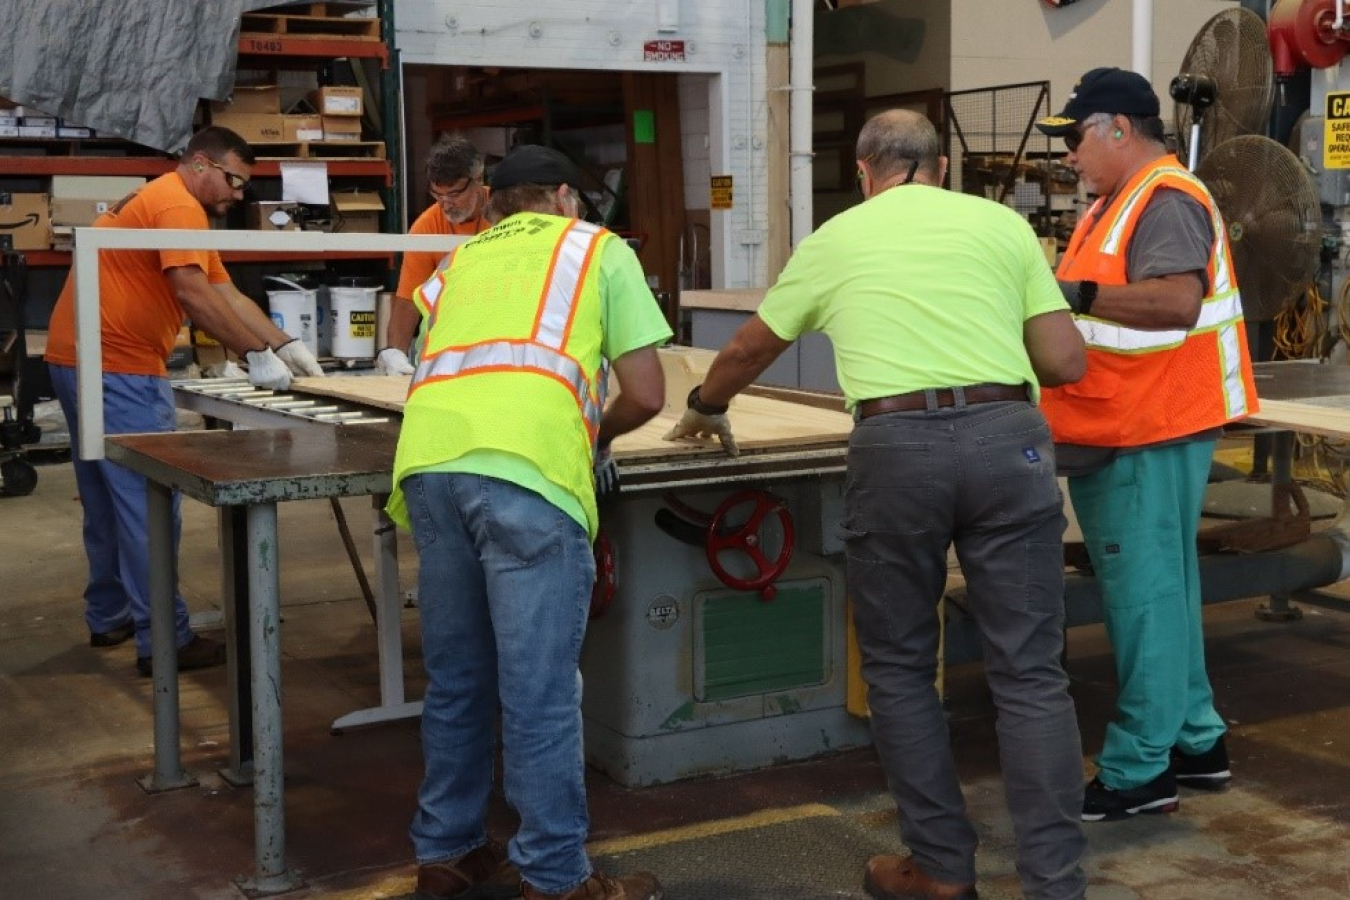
<point>533,164</point>
<point>1106,90</point>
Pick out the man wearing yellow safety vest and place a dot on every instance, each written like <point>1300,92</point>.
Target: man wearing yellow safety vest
<point>1150,277</point>
<point>504,435</point>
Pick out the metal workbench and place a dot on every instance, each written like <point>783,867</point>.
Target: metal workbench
<point>245,474</point>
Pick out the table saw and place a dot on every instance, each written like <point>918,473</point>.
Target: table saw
<point>718,640</point>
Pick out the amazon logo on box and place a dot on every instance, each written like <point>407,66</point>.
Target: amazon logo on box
<point>26,219</point>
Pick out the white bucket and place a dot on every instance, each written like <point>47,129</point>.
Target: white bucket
<point>353,322</point>
<point>295,311</point>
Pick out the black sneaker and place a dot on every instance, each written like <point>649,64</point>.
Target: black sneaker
<point>1206,771</point>
<point>118,634</point>
<point>1101,803</point>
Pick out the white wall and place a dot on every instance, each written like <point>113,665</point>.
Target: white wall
<point>725,55</point>
<point>1002,42</point>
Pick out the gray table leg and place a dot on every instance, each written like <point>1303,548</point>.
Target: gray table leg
<point>388,605</point>
<point>269,801</point>
<point>169,774</point>
<point>1280,609</point>
<point>234,600</point>
<point>388,631</point>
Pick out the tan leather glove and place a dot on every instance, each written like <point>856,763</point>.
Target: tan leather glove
<point>702,421</point>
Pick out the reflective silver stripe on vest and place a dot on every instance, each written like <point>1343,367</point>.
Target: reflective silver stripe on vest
<point>1216,313</point>
<point>522,355</point>
<point>431,288</point>
<point>565,284</point>
<point>543,354</point>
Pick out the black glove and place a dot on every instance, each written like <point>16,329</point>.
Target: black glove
<point>606,473</point>
<point>1070,291</point>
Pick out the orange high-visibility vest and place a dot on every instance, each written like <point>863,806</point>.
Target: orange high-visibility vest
<point>1144,386</point>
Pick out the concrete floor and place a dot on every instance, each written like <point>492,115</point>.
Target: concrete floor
<point>76,734</point>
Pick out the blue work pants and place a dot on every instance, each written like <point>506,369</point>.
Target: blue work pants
<point>116,541</point>
<point>504,585</point>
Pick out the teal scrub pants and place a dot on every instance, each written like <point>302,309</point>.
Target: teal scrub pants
<point>1139,518</point>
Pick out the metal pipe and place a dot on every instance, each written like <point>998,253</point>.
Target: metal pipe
<point>1141,46</point>
<point>800,86</point>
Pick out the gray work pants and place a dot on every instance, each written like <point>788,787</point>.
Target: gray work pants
<point>983,478</point>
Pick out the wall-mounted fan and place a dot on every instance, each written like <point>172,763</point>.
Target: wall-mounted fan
<point>1270,206</point>
<point>1230,49</point>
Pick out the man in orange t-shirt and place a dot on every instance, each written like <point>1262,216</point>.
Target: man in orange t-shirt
<point>144,297</point>
<point>455,174</point>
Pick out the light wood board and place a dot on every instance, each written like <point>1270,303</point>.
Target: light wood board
<point>759,423</point>
<point>1307,417</point>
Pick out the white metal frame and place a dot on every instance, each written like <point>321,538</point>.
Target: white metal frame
<point>89,241</point>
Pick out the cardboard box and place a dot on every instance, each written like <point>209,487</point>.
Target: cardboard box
<point>337,101</point>
<point>302,129</point>
<point>27,220</point>
<point>9,130</point>
<point>37,131</point>
<point>80,199</point>
<point>356,212</point>
<point>40,121</point>
<point>74,131</point>
<point>9,121</point>
<point>253,127</point>
<point>254,98</point>
<point>341,129</point>
<point>271,215</point>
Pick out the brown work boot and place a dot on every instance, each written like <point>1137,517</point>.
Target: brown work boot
<point>483,873</point>
<point>891,877</point>
<point>638,886</point>
<point>198,653</point>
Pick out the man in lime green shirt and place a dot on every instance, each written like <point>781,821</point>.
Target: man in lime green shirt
<point>504,434</point>
<point>945,320</point>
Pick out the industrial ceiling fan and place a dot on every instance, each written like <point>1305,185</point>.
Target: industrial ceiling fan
<point>1270,207</point>
<point>1232,52</point>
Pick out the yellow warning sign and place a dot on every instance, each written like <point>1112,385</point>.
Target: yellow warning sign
<point>1336,141</point>
<point>721,191</point>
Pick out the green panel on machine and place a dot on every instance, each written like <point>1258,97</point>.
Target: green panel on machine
<point>750,646</point>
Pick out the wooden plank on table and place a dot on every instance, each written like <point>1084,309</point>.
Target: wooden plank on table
<point>760,423</point>
<point>1310,418</point>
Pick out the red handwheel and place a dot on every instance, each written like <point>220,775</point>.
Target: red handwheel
<point>747,537</point>
<point>602,595</point>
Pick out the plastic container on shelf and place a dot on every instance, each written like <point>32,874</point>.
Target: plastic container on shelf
<point>294,309</point>
<point>353,316</point>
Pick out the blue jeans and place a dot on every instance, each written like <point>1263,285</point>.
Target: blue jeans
<point>114,500</point>
<point>981,478</point>
<point>1139,517</point>
<point>504,583</point>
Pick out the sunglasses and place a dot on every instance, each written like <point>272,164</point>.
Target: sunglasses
<point>1073,139</point>
<point>236,182</point>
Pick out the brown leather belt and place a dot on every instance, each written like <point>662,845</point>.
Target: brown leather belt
<point>916,400</point>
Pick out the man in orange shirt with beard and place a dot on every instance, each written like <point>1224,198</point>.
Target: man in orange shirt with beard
<point>455,175</point>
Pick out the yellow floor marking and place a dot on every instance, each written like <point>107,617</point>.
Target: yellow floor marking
<point>711,829</point>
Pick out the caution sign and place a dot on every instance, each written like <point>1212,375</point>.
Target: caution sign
<point>721,191</point>
<point>1336,144</point>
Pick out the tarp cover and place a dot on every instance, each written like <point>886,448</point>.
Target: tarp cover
<point>130,68</point>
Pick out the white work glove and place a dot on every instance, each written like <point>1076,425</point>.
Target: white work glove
<point>265,370</point>
<point>298,358</point>
<point>393,361</point>
<point>606,473</point>
<point>226,369</point>
<point>702,421</point>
